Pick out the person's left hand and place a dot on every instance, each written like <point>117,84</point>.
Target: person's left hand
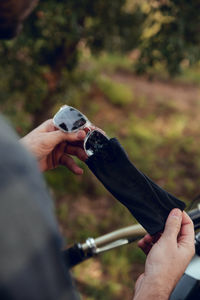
<point>168,256</point>
<point>52,147</point>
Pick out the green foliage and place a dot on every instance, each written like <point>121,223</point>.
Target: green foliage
<point>189,75</point>
<point>117,94</point>
<point>108,62</point>
<point>39,63</point>
<point>170,34</point>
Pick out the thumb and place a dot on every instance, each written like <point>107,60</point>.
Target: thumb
<point>139,281</point>
<point>56,137</point>
<point>173,224</point>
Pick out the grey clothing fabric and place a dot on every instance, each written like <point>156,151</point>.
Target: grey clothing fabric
<point>31,265</point>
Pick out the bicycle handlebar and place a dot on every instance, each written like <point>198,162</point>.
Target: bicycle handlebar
<point>81,252</point>
<point>195,216</point>
<point>124,233</point>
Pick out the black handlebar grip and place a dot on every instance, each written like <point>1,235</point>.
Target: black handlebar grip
<point>195,216</point>
<point>74,255</point>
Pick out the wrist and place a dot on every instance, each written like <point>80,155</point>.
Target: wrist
<point>25,142</point>
<point>30,146</point>
<point>151,290</point>
<point>151,295</point>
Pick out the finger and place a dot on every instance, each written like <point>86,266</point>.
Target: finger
<point>47,126</point>
<point>187,231</point>
<point>68,162</point>
<point>146,248</point>
<point>56,137</point>
<point>173,225</point>
<point>57,154</point>
<point>76,151</point>
<point>146,243</point>
<point>156,237</point>
<point>76,143</point>
<point>148,239</point>
<point>139,281</point>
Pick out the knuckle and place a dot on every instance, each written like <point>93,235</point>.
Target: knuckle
<point>192,249</point>
<point>48,121</point>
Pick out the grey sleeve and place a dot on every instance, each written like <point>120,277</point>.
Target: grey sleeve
<point>30,244</point>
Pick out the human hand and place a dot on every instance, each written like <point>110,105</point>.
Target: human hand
<point>167,259</point>
<point>52,147</point>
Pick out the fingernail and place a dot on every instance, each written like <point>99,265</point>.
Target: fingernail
<point>81,134</point>
<point>176,213</point>
<point>79,172</point>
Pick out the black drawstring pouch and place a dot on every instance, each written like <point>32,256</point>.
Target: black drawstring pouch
<point>146,201</point>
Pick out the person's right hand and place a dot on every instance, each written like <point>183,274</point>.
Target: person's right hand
<point>52,147</point>
<point>167,259</point>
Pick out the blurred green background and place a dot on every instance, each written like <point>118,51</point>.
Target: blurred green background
<point>133,67</point>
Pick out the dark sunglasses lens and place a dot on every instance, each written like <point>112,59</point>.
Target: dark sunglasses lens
<point>69,119</point>
<point>77,124</point>
<point>95,142</point>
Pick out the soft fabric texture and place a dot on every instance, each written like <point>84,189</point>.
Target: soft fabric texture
<point>30,244</point>
<point>147,202</point>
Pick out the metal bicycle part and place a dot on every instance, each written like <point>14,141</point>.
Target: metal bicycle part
<point>92,247</point>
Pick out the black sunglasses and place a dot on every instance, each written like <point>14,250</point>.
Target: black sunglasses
<point>70,119</point>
